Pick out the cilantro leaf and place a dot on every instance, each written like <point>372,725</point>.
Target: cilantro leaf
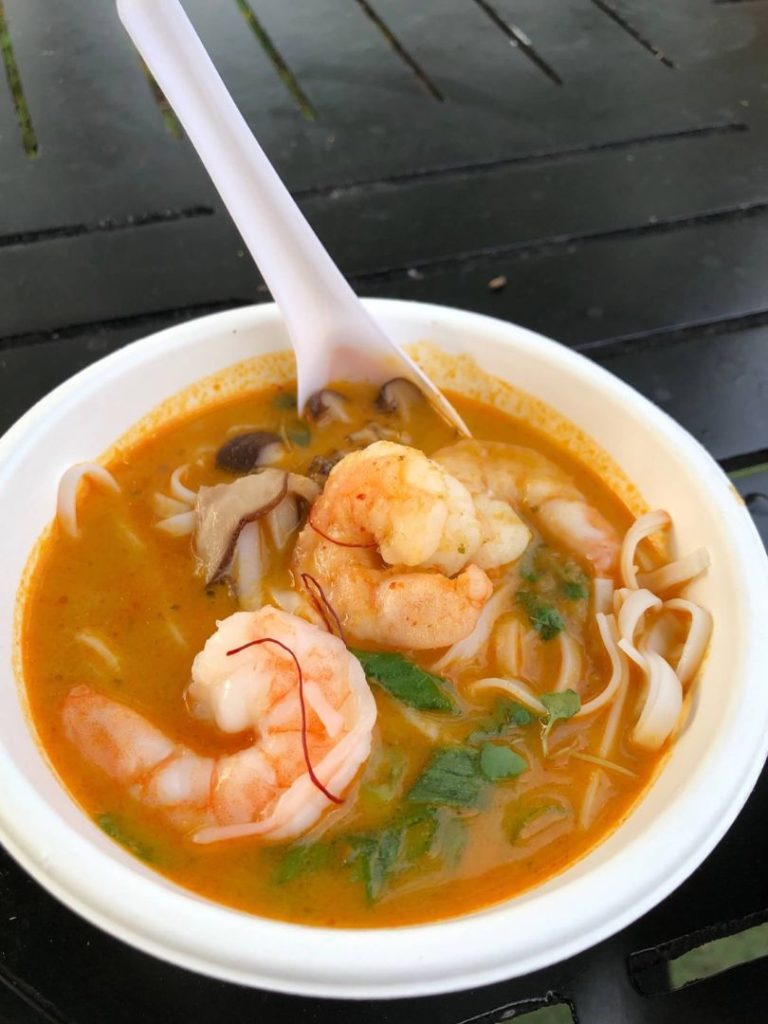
<point>560,706</point>
<point>284,400</point>
<point>302,859</point>
<point>451,778</point>
<point>405,681</point>
<point>497,762</point>
<point>574,590</point>
<point>115,830</point>
<point>544,617</point>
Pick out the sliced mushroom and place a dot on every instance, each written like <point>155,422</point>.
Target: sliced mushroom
<point>321,466</point>
<point>244,452</point>
<point>399,395</point>
<point>223,511</point>
<point>285,518</point>
<point>328,406</point>
<point>303,487</point>
<point>282,521</point>
<point>375,432</point>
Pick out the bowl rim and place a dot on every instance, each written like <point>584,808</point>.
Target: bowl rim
<point>443,956</point>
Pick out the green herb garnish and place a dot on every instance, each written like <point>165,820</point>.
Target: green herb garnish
<point>375,856</point>
<point>544,617</point>
<point>300,434</point>
<point>301,860</point>
<point>387,777</point>
<point>453,838</point>
<point>528,569</point>
<point>452,778</point>
<point>284,400</point>
<point>507,714</point>
<point>115,830</point>
<point>405,681</point>
<point>560,706</point>
<point>574,590</point>
<point>515,828</point>
<point>498,762</point>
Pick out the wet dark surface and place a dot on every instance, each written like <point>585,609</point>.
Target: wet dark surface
<point>612,166</point>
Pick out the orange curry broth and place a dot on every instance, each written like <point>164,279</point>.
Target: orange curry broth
<point>137,590</point>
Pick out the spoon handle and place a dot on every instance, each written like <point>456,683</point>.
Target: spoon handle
<point>332,334</point>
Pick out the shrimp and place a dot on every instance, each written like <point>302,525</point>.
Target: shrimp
<point>385,511</point>
<point>309,738</point>
<point>546,494</point>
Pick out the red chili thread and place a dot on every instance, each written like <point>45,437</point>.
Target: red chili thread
<point>320,611</point>
<point>306,580</point>
<point>333,540</point>
<point>304,743</point>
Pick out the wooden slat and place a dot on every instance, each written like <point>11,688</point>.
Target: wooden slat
<point>12,155</point>
<point>411,223</point>
<point>109,275</point>
<point>581,293</point>
<point>580,288</point>
<point>104,149</point>
<point>106,153</point>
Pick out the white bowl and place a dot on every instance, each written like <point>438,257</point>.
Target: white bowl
<point>699,791</point>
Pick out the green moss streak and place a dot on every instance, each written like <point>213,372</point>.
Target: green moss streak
<point>28,137</point>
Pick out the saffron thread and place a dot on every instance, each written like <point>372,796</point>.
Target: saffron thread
<point>304,742</point>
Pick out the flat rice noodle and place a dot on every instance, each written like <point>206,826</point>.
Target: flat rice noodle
<point>179,490</point>
<point>180,525</point>
<point>676,573</point>
<point>598,778</point>
<point>662,704</point>
<point>166,506</point>
<point>606,624</point>
<point>418,721</point>
<point>602,591</point>
<point>97,645</point>
<point>248,567</point>
<point>642,528</point>
<point>630,617</point>
<point>570,663</point>
<point>66,498</point>
<point>697,640</point>
<point>470,646</point>
<point>514,688</point>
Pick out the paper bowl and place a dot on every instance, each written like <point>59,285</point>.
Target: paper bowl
<point>701,787</point>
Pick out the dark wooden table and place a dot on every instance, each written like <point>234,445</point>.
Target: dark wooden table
<point>608,158</point>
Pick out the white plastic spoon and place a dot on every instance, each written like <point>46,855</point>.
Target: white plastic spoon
<point>332,334</point>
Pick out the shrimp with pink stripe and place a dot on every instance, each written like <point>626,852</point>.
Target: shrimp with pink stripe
<point>299,693</point>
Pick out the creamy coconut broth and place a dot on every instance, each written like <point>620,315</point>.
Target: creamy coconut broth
<point>454,668</point>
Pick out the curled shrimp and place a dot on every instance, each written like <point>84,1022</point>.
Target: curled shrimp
<point>296,688</point>
<point>541,491</point>
<point>386,512</point>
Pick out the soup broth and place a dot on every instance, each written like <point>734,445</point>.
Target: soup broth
<point>460,804</point>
